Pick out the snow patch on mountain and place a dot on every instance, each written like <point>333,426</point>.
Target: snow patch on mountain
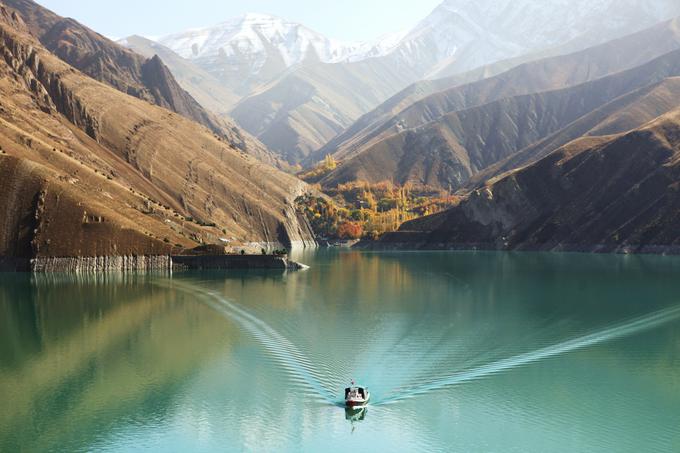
<point>259,35</point>
<point>458,35</point>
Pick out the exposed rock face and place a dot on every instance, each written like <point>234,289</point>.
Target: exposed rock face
<point>46,86</point>
<point>618,193</point>
<point>88,171</point>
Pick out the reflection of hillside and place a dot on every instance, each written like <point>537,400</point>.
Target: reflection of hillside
<point>103,352</point>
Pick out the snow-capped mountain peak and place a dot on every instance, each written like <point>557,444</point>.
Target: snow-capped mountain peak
<point>457,36</point>
<point>259,36</point>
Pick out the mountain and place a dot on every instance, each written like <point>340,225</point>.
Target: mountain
<point>623,114</point>
<point>106,61</point>
<point>248,51</point>
<point>425,101</point>
<point>613,193</point>
<point>301,82</point>
<point>532,25</point>
<point>447,152</point>
<point>297,114</point>
<point>87,170</point>
<point>145,77</point>
<point>209,92</point>
<point>205,88</point>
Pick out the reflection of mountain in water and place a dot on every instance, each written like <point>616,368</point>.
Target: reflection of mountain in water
<point>83,356</point>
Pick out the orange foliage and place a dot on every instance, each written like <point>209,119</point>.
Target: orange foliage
<point>350,230</point>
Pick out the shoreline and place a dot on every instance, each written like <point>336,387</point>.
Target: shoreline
<point>147,263</point>
<point>388,245</point>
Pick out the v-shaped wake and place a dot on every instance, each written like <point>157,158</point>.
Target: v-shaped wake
<point>620,331</point>
<point>303,371</point>
<point>307,374</point>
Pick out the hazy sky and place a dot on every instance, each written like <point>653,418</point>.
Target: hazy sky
<point>351,20</point>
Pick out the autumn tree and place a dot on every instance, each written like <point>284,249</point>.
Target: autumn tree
<point>329,163</point>
<point>350,230</point>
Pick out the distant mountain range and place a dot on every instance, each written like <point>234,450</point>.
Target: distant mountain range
<point>298,89</point>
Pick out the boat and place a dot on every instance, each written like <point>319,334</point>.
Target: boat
<point>356,396</point>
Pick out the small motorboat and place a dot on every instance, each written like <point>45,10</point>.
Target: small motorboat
<point>356,396</point>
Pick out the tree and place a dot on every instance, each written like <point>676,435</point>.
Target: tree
<point>329,162</point>
<point>350,230</point>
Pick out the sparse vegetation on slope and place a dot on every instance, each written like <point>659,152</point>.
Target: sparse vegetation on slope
<point>359,209</point>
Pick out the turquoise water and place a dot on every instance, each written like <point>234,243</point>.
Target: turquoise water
<point>488,352</point>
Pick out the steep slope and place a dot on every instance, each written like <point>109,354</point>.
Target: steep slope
<point>106,61</point>
<point>204,87</point>
<point>209,92</point>
<point>448,151</point>
<point>89,171</point>
<point>148,79</point>
<point>426,100</point>
<point>618,193</point>
<point>625,113</point>
<point>305,108</point>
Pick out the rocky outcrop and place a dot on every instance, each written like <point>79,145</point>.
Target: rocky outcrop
<point>46,85</point>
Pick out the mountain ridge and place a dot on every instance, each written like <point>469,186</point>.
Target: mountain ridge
<point>545,74</point>
<point>613,194</point>
<point>450,151</point>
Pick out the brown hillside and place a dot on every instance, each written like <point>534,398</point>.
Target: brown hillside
<point>210,93</point>
<point>619,193</point>
<point>146,78</point>
<point>625,113</point>
<point>87,170</point>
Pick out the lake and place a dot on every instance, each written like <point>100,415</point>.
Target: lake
<point>462,352</point>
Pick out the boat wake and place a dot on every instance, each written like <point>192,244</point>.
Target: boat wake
<point>620,331</point>
<point>279,347</point>
<point>307,374</point>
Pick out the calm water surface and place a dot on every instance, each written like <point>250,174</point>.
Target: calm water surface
<point>485,352</point>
